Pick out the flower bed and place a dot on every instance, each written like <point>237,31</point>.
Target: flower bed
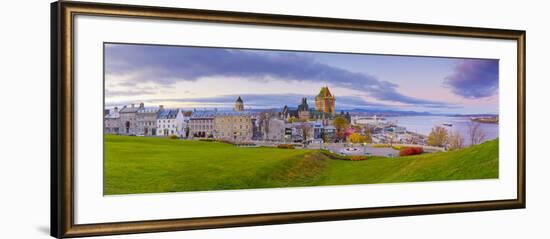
<point>336,156</point>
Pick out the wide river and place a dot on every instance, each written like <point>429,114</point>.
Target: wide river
<point>424,124</point>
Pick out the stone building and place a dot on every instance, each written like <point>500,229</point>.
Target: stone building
<point>305,113</point>
<point>303,110</point>
<point>128,120</point>
<point>324,101</point>
<point>287,113</point>
<point>233,126</point>
<point>112,121</point>
<point>146,120</point>
<point>239,105</point>
<point>201,124</point>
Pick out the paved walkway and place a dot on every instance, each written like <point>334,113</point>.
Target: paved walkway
<point>359,150</point>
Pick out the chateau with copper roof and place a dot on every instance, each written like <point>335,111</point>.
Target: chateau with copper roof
<point>324,101</point>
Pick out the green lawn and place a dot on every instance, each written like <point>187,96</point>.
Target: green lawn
<point>146,165</point>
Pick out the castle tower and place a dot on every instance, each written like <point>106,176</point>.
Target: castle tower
<point>324,101</point>
<point>303,110</point>
<point>239,105</point>
<point>303,106</point>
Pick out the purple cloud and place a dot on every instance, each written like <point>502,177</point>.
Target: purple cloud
<point>474,79</point>
<point>166,65</point>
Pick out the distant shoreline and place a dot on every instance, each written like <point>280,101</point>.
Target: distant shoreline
<point>487,120</point>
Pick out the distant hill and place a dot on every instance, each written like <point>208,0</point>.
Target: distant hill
<point>385,112</point>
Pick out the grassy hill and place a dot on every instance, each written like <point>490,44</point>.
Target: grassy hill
<point>146,165</point>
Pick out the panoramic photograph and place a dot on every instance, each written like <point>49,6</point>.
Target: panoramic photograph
<point>191,118</point>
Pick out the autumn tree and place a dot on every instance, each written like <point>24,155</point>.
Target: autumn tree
<point>391,138</point>
<point>356,138</point>
<point>265,116</point>
<point>368,135</point>
<point>292,119</point>
<point>305,129</point>
<point>475,133</point>
<point>438,137</point>
<point>413,139</point>
<point>341,124</point>
<point>357,128</point>
<point>455,141</point>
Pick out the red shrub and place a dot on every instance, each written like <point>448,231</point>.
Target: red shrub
<point>410,151</point>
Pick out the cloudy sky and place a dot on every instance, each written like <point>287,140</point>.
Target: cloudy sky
<point>199,77</point>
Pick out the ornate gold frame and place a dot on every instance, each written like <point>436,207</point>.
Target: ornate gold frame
<point>62,118</point>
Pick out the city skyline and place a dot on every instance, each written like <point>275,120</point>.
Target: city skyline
<point>199,77</point>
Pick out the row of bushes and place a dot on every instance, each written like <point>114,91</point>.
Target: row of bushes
<point>380,145</point>
<point>207,140</point>
<point>285,146</point>
<point>398,147</point>
<point>336,156</point>
<point>410,151</point>
<point>226,141</point>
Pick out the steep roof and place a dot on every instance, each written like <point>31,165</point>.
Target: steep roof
<point>112,114</point>
<point>303,106</point>
<point>325,92</point>
<point>168,114</point>
<point>148,110</point>
<point>129,109</point>
<point>239,100</point>
<point>214,113</point>
<point>203,114</point>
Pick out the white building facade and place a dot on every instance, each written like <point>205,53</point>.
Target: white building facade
<point>170,122</point>
<point>276,130</point>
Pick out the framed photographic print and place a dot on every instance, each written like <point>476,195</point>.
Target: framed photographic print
<point>172,119</point>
